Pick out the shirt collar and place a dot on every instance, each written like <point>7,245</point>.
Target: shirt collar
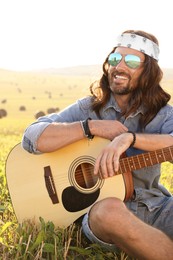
<point>113,104</point>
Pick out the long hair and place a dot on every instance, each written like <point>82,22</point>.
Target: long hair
<point>149,92</point>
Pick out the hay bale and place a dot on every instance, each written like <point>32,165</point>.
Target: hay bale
<point>3,113</point>
<point>39,114</point>
<point>22,108</point>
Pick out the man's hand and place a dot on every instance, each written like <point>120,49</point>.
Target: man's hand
<point>108,129</point>
<point>107,163</point>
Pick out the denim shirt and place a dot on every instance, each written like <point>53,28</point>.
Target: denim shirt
<point>146,181</point>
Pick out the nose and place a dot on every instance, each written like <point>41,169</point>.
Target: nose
<point>121,64</point>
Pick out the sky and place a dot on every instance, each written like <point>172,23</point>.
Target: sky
<point>41,34</point>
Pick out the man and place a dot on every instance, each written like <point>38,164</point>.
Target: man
<point>128,107</point>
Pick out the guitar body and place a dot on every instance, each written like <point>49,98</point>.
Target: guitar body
<point>59,186</point>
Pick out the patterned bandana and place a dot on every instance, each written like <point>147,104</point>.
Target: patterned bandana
<point>139,43</point>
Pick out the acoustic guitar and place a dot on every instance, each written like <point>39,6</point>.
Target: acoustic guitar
<point>60,186</point>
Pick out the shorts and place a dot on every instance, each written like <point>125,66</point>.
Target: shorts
<point>89,234</point>
<point>161,219</point>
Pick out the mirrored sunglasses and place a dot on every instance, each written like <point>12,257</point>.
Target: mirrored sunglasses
<point>132,61</point>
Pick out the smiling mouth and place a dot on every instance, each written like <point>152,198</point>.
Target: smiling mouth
<point>118,76</point>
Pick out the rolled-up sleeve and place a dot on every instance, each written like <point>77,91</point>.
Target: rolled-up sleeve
<point>31,135</point>
<point>75,112</point>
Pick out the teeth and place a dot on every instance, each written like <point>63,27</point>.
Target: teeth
<point>120,77</point>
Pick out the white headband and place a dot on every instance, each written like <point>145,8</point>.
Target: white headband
<point>139,43</point>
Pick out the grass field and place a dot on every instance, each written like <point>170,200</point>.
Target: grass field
<point>40,91</point>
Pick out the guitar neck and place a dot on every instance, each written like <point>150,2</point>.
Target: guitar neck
<point>146,159</point>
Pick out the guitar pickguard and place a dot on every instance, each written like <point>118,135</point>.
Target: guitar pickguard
<point>74,201</point>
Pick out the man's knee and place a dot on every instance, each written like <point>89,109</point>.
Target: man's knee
<point>103,211</point>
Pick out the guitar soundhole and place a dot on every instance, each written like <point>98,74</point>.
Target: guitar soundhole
<point>81,175</point>
<point>84,176</point>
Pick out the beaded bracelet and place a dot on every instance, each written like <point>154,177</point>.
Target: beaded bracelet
<point>85,128</point>
<point>134,138</point>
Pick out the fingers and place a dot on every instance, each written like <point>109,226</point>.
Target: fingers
<point>97,165</point>
<point>106,165</point>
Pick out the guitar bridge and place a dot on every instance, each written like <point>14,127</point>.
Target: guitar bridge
<point>49,182</point>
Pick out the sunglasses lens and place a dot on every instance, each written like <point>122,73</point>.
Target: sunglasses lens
<point>132,61</point>
<point>114,59</point>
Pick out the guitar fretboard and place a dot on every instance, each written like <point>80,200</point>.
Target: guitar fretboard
<point>146,159</point>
